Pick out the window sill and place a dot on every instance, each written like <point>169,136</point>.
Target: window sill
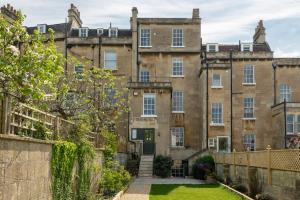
<point>217,124</point>
<point>249,119</point>
<point>177,46</point>
<point>217,87</point>
<point>177,147</point>
<point>177,76</point>
<point>177,112</point>
<point>113,70</point>
<point>145,46</point>
<point>149,116</point>
<point>249,84</point>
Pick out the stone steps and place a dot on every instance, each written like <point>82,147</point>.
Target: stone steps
<point>146,166</point>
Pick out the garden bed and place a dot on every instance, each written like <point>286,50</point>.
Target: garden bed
<point>193,192</point>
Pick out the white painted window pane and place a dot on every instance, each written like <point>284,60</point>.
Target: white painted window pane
<point>177,136</point>
<point>110,60</point>
<point>145,37</point>
<point>149,104</point>
<point>217,80</point>
<point>290,120</point>
<point>249,74</point>
<point>177,67</point>
<point>285,93</point>
<point>249,141</point>
<point>217,113</point>
<point>144,76</point>
<point>177,37</point>
<point>133,134</point>
<point>248,108</point>
<point>177,101</point>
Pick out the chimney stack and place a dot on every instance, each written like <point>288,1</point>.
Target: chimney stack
<point>196,13</point>
<point>260,33</point>
<point>74,17</point>
<point>9,13</point>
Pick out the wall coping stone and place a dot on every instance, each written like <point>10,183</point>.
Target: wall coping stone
<point>25,139</point>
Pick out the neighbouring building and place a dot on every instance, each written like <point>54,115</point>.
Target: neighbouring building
<point>186,96</point>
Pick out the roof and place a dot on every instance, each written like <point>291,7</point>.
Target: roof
<point>62,27</point>
<point>257,47</point>
<point>93,33</point>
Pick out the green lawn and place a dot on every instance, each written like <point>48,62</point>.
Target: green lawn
<point>191,192</point>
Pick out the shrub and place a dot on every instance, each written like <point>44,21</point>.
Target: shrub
<point>239,187</point>
<point>113,180</point>
<point>162,166</point>
<point>263,197</point>
<point>203,166</point>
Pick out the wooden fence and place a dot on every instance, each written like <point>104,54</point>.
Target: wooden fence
<point>16,118</point>
<point>286,159</point>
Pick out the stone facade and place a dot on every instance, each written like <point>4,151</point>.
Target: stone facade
<point>200,63</point>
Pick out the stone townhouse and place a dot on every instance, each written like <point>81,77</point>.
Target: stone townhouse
<point>186,96</point>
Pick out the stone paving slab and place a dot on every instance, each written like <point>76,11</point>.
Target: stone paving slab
<point>140,188</point>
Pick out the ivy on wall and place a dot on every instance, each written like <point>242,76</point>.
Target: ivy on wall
<point>62,163</point>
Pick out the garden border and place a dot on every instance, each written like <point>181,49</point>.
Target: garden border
<point>122,192</point>
<point>235,191</point>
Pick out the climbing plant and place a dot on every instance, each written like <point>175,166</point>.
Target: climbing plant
<point>62,163</point>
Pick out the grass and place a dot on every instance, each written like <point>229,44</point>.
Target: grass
<point>192,192</point>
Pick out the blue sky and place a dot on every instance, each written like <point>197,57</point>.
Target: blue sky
<point>223,21</point>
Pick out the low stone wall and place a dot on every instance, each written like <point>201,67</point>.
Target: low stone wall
<point>25,168</point>
<point>285,185</point>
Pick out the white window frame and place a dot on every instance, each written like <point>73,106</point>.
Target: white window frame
<point>177,101</point>
<point>248,143</point>
<point>293,123</point>
<point>175,131</point>
<point>100,31</point>
<point>216,45</point>
<point>220,81</point>
<point>41,28</point>
<point>133,131</point>
<point>247,77</point>
<point>212,142</point>
<point>143,37</point>
<point>152,95</point>
<point>105,60</point>
<point>143,77</point>
<point>180,38</point>
<point>249,107</point>
<point>83,32</point>
<point>110,31</point>
<point>177,61</point>
<point>285,91</point>
<point>297,126</point>
<point>228,139</point>
<point>221,122</point>
<point>248,44</point>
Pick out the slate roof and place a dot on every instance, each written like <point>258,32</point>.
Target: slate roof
<point>235,47</point>
<point>62,27</point>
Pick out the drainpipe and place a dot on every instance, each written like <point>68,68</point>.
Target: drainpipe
<point>274,65</point>
<point>284,108</point>
<point>66,46</point>
<point>231,107</point>
<point>206,63</point>
<point>137,54</point>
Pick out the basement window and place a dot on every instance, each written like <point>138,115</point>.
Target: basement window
<point>83,32</point>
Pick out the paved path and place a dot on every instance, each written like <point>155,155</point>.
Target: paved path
<point>140,188</point>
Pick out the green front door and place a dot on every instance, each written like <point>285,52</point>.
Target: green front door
<point>147,135</point>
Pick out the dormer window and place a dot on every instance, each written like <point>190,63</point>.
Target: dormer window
<point>83,32</point>
<point>247,47</point>
<point>41,28</point>
<point>99,31</point>
<point>113,32</point>
<point>212,47</point>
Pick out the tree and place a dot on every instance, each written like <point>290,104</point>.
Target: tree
<point>29,64</point>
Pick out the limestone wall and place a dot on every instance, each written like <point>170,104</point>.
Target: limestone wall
<point>24,168</point>
<point>285,185</point>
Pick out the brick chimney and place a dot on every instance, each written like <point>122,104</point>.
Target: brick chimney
<point>9,13</point>
<point>74,17</point>
<point>196,13</point>
<point>260,33</point>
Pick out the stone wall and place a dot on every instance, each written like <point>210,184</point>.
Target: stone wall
<point>285,185</point>
<point>25,168</point>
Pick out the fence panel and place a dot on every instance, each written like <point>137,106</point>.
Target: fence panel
<point>285,160</point>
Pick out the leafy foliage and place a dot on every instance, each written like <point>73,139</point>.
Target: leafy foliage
<point>264,197</point>
<point>239,187</point>
<point>203,166</point>
<point>29,64</point>
<point>62,163</point>
<point>162,166</point>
